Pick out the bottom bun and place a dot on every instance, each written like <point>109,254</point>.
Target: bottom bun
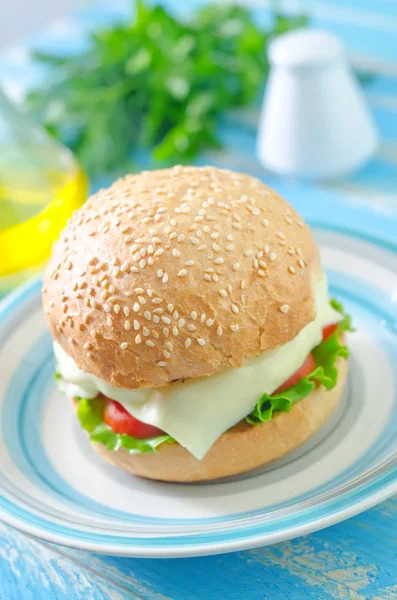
<point>240,449</point>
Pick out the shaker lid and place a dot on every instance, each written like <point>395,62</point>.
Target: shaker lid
<point>304,48</point>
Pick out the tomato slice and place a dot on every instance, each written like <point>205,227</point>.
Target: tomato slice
<point>329,330</point>
<point>308,366</point>
<point>120,421</point>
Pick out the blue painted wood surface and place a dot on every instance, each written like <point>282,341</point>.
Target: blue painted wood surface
<point>356,559</point>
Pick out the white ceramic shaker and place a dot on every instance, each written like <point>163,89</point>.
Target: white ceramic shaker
<point>314,121</point>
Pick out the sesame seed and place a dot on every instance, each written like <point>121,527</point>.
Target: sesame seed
<point>219,261</point>
<point>169,346</point>
<point>124,345</point>
<point>284,308</point>
<point>147,315</point>
<point>215,247</point>
<point>159,252</point>
<point>247,252</point>
<point>234,327</point>
<point>161,363</point>
<point>173,235</point>
<point>181,322</point>
<point>87,346</point>
<point>182,273</point>
<point>166,320</point>
<point>166,354</point>
<point>138,339</point>
<point>157,301</point>
<point>134,269</point>
<point>116,308</point>
<point>291,269</point>
<point>112,289</point>
<point>201,341</point>
<point>266,249</point>
<point>149,343</point>
<point>145,331</point>
<point>188,341</point>
<point>202,318</point>
<point>165,278</point>
<point>127,325</point>
<point>191,327</point>
<point>236,225</point>
<point>272,256</point>
<point>142,263</point>
<point>222,293</point>
<point>236,266</point>
<point>126,311</point>
<point>136,307</point>
<point>288,220</point>
<point>156,319</point>
<point>136,325</point>
<point>158,311</point>
<point>170,308</point>
<point>261,273</point>
<point>142,300</point>
<point>106,308</point>
<point>301,263</point>
<point>299,251</point>
<point>189,263</point>
<point>194,241</point>
<point>265,222</point>
<point>176,253</point>
<point>255,263</point>
<point>207,277</point>
<point>181,237</point>
<point>193,315</point>
<point>175,331</point>
<point>229,247</point>
<point>234,308</point>
<point>229,289</point>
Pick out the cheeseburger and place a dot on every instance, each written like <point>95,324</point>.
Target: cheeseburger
<point>192,324</point>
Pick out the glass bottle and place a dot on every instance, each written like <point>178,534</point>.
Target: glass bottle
<point>41,184</point>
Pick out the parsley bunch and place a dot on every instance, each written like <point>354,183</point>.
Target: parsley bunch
<point>157,83</point>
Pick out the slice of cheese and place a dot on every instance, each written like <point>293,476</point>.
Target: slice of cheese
<point>197,411</point>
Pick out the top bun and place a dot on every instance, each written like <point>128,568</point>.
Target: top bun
<point>179,273</point>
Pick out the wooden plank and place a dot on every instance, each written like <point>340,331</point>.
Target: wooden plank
<point>355,559</point>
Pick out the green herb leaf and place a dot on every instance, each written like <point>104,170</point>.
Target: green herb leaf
<point>89,413</point>
<point>156,83</point>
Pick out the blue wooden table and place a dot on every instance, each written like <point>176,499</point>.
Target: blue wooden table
<point>353,560</point>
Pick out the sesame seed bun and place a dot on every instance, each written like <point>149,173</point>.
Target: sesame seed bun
<point>242,448</point>
<point>179,273</point>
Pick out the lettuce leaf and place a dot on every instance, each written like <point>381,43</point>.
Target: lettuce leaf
<point>89,413</point>
<point>325,373</point>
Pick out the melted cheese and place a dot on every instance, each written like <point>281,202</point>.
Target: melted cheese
<point>197,411</point>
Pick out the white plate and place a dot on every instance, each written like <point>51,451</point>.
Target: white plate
<point>53,486</point>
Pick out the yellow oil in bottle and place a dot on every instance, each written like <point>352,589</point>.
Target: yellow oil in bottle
<point>41,184</point>
<point>31,218</point>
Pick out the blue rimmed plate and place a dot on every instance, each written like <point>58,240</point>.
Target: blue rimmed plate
<point>53,486</point>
